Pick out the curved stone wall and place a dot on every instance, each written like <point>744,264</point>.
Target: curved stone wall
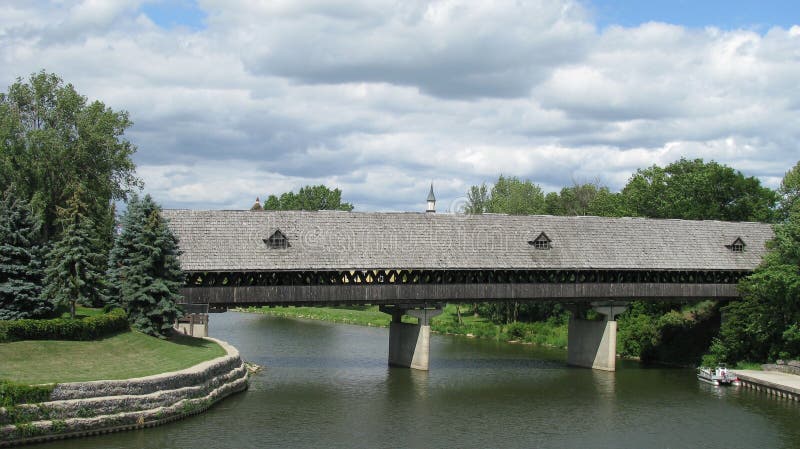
<point>90,408</point>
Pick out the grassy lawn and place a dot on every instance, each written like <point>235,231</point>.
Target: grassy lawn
<point>122,356</point>
<point>362,316</point>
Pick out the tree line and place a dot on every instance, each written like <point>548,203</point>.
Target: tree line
<point>64,163</point>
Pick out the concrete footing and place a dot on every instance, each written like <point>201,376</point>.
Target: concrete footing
<point>592,344</point>
<point>409,344</point>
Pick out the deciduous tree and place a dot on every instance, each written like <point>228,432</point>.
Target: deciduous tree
<point>53,139</point>
<point>696,190</point>
<point>790,192</point>
<point>509,195</point>
<point>317,197</point>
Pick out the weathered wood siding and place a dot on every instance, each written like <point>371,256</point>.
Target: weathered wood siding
<point>432,293</point>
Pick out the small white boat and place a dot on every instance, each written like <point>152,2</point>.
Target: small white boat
<point>717,376</point>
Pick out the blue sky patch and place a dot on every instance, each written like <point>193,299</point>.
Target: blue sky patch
<point>175,13</point>
<point>730,14</point>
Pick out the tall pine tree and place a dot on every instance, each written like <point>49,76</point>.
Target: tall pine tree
<point>20,262</point>
<point>74,273</point>
<point>144,268</point>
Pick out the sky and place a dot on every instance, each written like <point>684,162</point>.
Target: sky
<point>234,99</point>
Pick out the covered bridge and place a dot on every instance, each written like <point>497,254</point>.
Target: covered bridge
<point>244,257</point>
<point>411,263</point>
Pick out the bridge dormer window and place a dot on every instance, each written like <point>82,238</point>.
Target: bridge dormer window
<point>277,240</point>
<point>737,246</point>
<point>541,242</point>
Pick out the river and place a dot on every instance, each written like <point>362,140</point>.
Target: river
<point>328,385</point>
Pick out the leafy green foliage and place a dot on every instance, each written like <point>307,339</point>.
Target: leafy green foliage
<point>13,393</point>
<point>20,262</point>
<point>508,196</point>
<point>764,324</point>
<point>585,199</point>
<point>308,198</point>
<point>790,193</point>
<point>477,200</point>
<point>90,328</point>
<point>696,190</point>
<point>680,335</point>
<point>144,268</point>
<point>74,274</point>
<point>52,140</point>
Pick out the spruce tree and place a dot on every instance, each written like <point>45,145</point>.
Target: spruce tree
<point>74,274</point>
<point>20,262</point>
<point>145,270</point>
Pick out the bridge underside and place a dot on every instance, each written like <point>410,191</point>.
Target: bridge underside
<point>387,287</point>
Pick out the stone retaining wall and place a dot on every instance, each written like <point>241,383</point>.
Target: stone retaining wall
<point>89,408</point>
<point>790,367</point>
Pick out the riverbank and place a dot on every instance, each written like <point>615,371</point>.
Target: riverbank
<point>75,409</point>
<point>121,356</point>
<point>551,333</point>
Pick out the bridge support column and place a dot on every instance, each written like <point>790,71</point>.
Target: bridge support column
<point>409,344</point>
<point>593,344</point>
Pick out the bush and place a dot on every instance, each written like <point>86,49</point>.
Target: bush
<point>12,393</point>
<point>516,331</point>
<point>90,328</point>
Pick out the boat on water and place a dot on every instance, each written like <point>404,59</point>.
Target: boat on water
<point>717,376</point>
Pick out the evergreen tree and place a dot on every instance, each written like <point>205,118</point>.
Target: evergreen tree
<point>145,270</point>
<point>74,274</point>
<point>20,262</point>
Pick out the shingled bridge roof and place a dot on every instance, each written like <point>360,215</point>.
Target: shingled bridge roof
<point>226,240</point>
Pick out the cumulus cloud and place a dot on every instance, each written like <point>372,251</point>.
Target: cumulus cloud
<point>380,97</point>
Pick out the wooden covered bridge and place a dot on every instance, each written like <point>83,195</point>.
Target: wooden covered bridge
<point>411,263</point>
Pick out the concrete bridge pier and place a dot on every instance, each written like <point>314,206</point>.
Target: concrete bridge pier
<point>593,344</point>
<point>409,344</point>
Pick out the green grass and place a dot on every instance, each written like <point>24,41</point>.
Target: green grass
<point>362,316</point>
<point>83,312</point>
<point>547,333</point>
<point>122,356</point>
<point>748,365</point>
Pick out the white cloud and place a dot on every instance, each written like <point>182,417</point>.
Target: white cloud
<point>381,97</point>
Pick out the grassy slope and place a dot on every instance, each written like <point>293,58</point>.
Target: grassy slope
<point>125,355</point>
<point>543,333</point>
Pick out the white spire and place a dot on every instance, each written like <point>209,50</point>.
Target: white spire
<point>431,201</point>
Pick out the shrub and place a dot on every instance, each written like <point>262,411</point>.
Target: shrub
<point>12,393</point>
<point>516,331</point>
<point>90,328</point>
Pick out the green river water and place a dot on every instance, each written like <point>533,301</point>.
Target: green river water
<point>328,385</point>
